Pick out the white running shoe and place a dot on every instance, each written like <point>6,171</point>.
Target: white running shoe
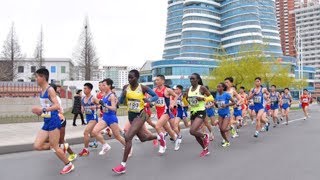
<point>105,148</point>
<point>162,149</point>
<point>177,144</point>
<point>235,135</point>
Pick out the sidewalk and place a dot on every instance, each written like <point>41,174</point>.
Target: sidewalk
<point>19,137</point>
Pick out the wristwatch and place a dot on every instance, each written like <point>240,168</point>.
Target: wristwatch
<point>44,110</point>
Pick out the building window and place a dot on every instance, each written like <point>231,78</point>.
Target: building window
<point>53,69</point>
<point>33,69</point>
<point>20,80</point>
<point>20,69</point>
<point>63,69</point>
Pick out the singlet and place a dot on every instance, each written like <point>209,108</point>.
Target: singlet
<point>134,99</point>
<point>185,102</point>
<point>45,102</point>
<point>106,101</point>
<point>180,101</point>
<point>87,106</point>
<point>223,99</point>
<point>194,103</point>
<point>274,98</point>
<point>286,99</point>
<point>163,103</point>
<point>258,98</point>
<point>305,99</point>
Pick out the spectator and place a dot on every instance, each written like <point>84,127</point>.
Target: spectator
<point>76,110</point>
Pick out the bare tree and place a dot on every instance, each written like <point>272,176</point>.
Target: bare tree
<point>11,53</point>
<point>38,53</point>
<point>85,55</point>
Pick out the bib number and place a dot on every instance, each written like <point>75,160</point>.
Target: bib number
<point>87,110</point>
<point>220,104</point>
<point>305,100</point>
<point>285,101</point>
<point>160,102</point>
<point>134,105</point>
<point>257,99</point>
<point>193,101</point>
<point>46,115</point>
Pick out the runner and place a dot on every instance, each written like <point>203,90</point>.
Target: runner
<point>185,105</point>
<point>65,146</point>
<point>164,109</point>
<point>304,101</point>
<point>180,111</point>
<point>133,93</point>
<point>52,124</point>
<point>88,106</point>
<point>109,106</point>
<point>99,96</point>
<point>210,116</point>
<point>257,95</point>
<point>197,96</point>
<point>286,103</point>
<point>233,93</point>
<point>223,103</point>
<point>275,98</point>
<point>237,113</point>
<point>244,106</point>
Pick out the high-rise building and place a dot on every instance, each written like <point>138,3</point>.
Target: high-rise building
<point>286,25</point>
<point>308,33</point>
<point>197,29</point>
<point>119,74</point>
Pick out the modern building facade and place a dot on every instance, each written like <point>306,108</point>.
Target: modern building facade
<point>286,24</point>
<point>60,69</point>
<point>119,74</point>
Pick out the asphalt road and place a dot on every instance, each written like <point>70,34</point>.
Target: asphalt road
<point>284,153</point>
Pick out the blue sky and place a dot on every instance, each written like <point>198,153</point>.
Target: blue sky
<point>126,32</point>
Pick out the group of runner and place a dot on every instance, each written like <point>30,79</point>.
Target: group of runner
<point>171,107</point>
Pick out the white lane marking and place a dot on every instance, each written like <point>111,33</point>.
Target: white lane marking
<point>293,120</point>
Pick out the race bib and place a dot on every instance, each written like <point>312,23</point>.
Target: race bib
<point>133,105</point>
<point>273,99</point>
<point>193,101</point>
<point>257,99</point>
<point>305,100</point>
<point>160,102</point>
<point>46,115</point>
<point>220,104</point>
<point>87,110</point>
<point>179,102</point>
<point>209,104</point>
<point>285,101</point>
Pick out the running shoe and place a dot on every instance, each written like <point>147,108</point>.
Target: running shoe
<point>232,131</point>
<point>84,152</point>
<point>275,125</point>
<point>223,141</point>
<point>166,135</point>
<point>226,144</point>
<point>263,129</point>
<point>105,148</point>
<point>177,144</point>
<point>119,169</point>
<point>162,149</point>
<point>267,126</point>
<point>172,140</point>
<point>206,140</point>
<point>93,144</point>
<point>72,157</point>
<point>256,134</point>
<point>281,119</point>
<point>278,122</point>
<point>205,152</point>
<point>67,168</point>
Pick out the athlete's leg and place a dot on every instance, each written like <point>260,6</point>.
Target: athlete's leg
<point>87,132</point>
<point>40,142</point>
<point>223,125</point>
<point>163,123</point>
<point>149,121</point>
<point>287,114</point>
<point>54,137</point>
<point>195,125</point>
<point>97,129</point>
<point>116,132</point>
<point>259,119</point>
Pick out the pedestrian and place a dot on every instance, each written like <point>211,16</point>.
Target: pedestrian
<point>76,110</point>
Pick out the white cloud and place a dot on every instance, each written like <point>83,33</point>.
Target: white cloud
<point>125,32</point>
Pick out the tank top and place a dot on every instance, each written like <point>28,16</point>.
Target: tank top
<point>274,98</point>
<point>286,99</point>
<point>194,103</point>
<point>106,101</point>
<point>258,98</point>
<point>179,101</point>
<point>45,102</point>
<point>134,99</point>
<point>305,99</point>
<point>87,106</point>
<point>163,102</point>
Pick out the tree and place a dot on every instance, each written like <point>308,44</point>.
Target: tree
<point>85,55</point>
<point>249,63</point>
<point>38,53</point>
<point>10,54</point>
